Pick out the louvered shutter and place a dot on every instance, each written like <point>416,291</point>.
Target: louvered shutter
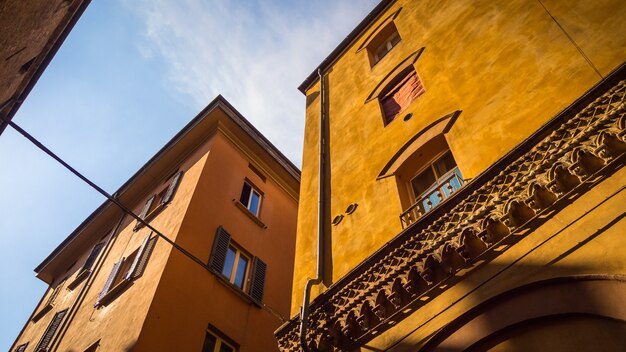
<point>55,293</point>
<point>171,190</point>
<point>51,330</point>
<point>107,284</point>
<point>22,347</point>
<point>220,247</point>
<point>257,282</point>
<point>141,260</point>
<point>144,211</point>
<point>92,256</point>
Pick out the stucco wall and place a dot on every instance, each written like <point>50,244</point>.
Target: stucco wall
<point>505,64</point>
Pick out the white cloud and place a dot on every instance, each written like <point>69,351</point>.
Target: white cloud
<point>254,53</point>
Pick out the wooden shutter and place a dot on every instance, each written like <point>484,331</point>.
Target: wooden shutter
<point>109,282</point>
<point>51,330</point>
<point>220,247</point>
<point>92,256</point>
<point>171,190</point>
<point>257,282</point>
<point>22,347</point>
<point>55,293</point>
<point>144,211</point>
<point>141,260</point>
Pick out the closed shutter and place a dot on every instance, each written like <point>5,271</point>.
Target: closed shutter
<point>141,260</point>
<point>51,330</point>
<point>92,256</point>
<point>220,247</point>
<point>144,211</point>
<point>109,282</point>
<point>171,190</point>
<point>257,282</point>
<point>22,347</point>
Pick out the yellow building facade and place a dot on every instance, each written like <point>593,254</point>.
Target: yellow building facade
<point>205,272</point>
<point>472,183</point>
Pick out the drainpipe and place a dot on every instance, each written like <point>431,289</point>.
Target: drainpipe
<point>304,311</point>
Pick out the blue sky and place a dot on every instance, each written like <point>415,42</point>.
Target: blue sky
<point>129,76</point>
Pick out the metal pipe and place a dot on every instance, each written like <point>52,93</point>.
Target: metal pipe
<point>304,311</point>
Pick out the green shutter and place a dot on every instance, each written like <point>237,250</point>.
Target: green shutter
<point>257,282</point>
<point>220,247</point>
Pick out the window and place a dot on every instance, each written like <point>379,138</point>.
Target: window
<point>22,347</point>
<point>50,302</point>
<point>212,343</point>
<point>436,182</point>
<point>235,266</point>
<point>400,93</point>
<point>127,269</point>
<point>158,201</point>
<point>93,347</point>
<point>382,43</point>
<point>245,272</point>
<point>87,266</point>
<point>251,198</point>
<point>44,343</point>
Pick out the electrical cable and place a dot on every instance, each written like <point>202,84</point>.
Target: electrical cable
<point>113,199</point>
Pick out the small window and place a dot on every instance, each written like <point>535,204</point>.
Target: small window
<point>381,45</point>
<point>236,266</point>
<point>436,182</point>
<point>22,347</point>
<point>400,93</point>
<point>251,198</point>
<point>157,202</point>
<point>127,269</point>
<point>240,269</point>
<point>212,343</point>
<point>50,332</point>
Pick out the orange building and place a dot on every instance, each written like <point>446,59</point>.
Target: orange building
<point>463,181</point>
<point>213,276</point>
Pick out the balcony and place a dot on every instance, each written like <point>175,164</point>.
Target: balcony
<point>449,183</point>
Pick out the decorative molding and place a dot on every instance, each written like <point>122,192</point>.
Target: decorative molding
<point>577,149</point>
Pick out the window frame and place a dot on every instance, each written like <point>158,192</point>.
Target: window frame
<point>159,200</point>
<point>219,340</point>
<point>437,184</point>
<point>390,32</point>
<point>233,271</point>
<point>253,189</point>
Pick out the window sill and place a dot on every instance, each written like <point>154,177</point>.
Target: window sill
<point>79,278</point>
<point>249,214</point>
<point>113,293</point>
<point>239,292</point>
<point>42,312</point>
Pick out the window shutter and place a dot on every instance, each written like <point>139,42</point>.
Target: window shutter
<point>141,260</point>
<point>144,212</point>
<point>92,256</point>
<point>22,347</point>
<point>171,190</point>
<point>257,282</point>
<point>220,247</point>
<point>50,331</point>
<point>55,293</point>
<point>107,284</point>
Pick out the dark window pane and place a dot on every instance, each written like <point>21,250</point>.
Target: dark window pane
<point>241,271</point>
<point>209,343</point>
<point>226,348</point>
<point>230,261</point>
<point>245,194</point>
<point>254,203</point>
<point>423,182</point>
<point>445,164</point>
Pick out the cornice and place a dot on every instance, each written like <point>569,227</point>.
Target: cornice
<point>577,149</point>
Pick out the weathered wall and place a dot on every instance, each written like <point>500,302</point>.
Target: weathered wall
<point>189,298</point>
<point>505,64</point>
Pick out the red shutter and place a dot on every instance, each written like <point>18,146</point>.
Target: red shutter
<point>399,97</point>
<point>220,247</point>
<point>144,212</point>
<point>109,282</point>
<point>141,260</point>
<point>171,190</point>
<point>44,343</point>
<point>257,282</point>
